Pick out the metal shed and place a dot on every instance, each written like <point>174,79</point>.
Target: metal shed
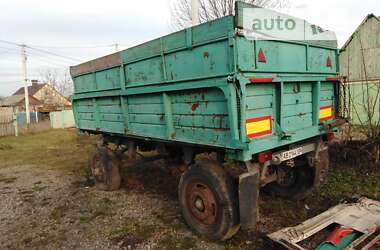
<point>360,68</point>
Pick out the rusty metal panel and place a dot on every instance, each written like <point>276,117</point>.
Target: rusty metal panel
<point>362,216</point>
<point>95,65</point>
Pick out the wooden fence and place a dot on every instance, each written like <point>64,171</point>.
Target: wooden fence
<point>9,125</point>
<point>7,119</point>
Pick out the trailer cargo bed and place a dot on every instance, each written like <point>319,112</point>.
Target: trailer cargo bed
<point>268,105</point>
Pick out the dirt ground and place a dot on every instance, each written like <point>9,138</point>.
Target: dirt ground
<point>47,202</point>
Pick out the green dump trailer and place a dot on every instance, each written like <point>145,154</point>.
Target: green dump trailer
<point>265,109</point>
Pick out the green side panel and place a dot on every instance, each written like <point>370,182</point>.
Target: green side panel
<point>318,60</point>
<point>84,83</point>
<point>197,52</point>
<point>142,72</point>
<point>204,61</point>
<point>101,80</point>
<point>281,56</point>
<point>285,57</point>
<point>199,116</point>
<point>180,40</point>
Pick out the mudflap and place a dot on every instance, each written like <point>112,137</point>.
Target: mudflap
<point>249,185</point>
<point>321,163</point>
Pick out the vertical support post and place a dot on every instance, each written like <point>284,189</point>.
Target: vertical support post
<point>63,118</point>
<point>36,116</point>
<point>124,110</point>
<point>307,57</point>
<point>316,102</point>
<point>25,79</point>
<point>281,104</point>
<point>230,94</point>
<point>15,123</point>
<point>97,114</point>
<point>168,116</point>
<point>165,76</point>
<point>122,76</point>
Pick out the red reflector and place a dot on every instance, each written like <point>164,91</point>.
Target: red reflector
<point>261,56</point>
<point>330,136</point>
<point>333,79</point>
<point>261,79</point>
<point>336,236</point>
<point>329,63</point>
<point>265,156</point>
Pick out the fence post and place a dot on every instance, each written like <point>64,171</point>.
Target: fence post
<point>63,119</point>
<point>15,123</point>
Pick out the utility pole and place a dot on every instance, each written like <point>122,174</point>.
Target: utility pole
<point>195,12</point>
<point>24,58</point>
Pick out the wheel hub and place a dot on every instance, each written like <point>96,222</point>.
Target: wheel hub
<point>201,202</point>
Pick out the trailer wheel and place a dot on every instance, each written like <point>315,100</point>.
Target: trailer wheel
<point>105,170</point>
<point>208,200</point>
<point>293,183</point>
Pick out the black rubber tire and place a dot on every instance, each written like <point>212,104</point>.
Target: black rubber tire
<point>299,189</point>
<point>105,170</point>
<point>224,189</point>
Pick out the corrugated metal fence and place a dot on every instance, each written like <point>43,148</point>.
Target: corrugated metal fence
<point>62,119</point>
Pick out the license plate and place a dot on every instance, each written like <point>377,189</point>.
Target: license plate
<point>287,155</point>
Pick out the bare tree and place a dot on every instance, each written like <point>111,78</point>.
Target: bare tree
<point>59,79</point>
<point>212,9</point>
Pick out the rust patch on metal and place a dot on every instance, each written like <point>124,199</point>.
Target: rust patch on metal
<point>97,64</point>
<point>173,135</point>
<point>201,202</point>
<point>206,54</point>
<point>195,106</point>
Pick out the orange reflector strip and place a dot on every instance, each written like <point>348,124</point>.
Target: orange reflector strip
<point>325,113</point>
<point>258,126</point>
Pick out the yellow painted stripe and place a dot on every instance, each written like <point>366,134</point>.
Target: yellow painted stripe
<point>325,112</point>
<point>258,127</point>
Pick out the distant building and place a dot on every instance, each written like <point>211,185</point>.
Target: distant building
<point>359,61</point>
<point>360,55</point>
<point>52,100</point>
<point>17,103</point>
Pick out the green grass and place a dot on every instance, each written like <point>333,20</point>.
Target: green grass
<point>346,182</point>
<point>54,149</point>
<point>135,228</point>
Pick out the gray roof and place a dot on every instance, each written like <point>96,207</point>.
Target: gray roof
<point>11,100</point>
<point>32,90</point>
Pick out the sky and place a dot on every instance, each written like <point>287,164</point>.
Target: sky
<point>63,33</point>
